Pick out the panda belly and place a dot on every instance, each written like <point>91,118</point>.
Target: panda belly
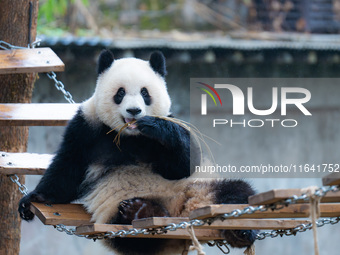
<point>179,197</point>
<point>124,182</point>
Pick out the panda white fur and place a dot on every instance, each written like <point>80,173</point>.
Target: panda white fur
<point>148,174</point>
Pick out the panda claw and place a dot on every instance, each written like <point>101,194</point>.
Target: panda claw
<point>123,203</point>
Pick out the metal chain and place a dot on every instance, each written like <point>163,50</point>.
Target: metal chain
<point>22,188</point>
<point>297,229</point>
<point>7,46</point>
<point>60,86</point>
<point>222,245</point>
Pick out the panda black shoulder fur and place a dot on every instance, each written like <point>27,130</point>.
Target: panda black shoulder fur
<point>148,175</point>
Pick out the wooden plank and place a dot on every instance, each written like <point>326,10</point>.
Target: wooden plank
<point>291,211</point>
<point>24,163</point>
<point>331,179</point>
<point>272,196</point>
<point>235,223</point>
<point>275,195</point>
<point>67,214</point>
<point>201,234</point>
<point>36,114</point>
<point>254,224</point>
<point>39,60</point>
<point>154,222</point>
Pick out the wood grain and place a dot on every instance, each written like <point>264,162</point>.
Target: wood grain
<point>154,222</point>
<point>291,211</point>
<point>331,179</point>
<point>67,214</point>
<point>254,224</point>
<point>39,60</point>
<point>234,223</point>
<point>36,114</point>
<point>24,163</point>
<point>275,195</point>
<point>201,234</point>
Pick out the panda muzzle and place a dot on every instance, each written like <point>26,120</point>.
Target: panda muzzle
<point>131,123</point>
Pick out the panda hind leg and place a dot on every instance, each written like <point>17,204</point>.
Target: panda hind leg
<point>139,208</point>
<point>132,209</point>
<point>235,192</point>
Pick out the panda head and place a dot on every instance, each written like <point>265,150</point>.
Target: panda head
<point>129,88</point>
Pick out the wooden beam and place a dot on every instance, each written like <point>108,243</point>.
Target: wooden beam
<point>331,179</point>
<point>154,222</point>
<point>67,214</point>
<point>275,195</point>
<point>291,211</point>
<point>254,224</point>
<point>234,223</point>
<point>39,60</point>
<point>24,163</point>
<point>201,234</point>
<point>36,114</point>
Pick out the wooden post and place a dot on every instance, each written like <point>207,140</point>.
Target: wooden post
<point>18,24</point>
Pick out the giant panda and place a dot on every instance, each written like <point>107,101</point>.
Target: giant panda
<point>148,174</point>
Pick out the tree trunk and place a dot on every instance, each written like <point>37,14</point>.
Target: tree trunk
<point>14,88</point>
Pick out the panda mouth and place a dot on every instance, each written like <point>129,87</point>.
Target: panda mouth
<point>131,123</point>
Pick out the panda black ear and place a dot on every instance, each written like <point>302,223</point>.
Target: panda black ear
<point>106,59</point>
<point>157,63</point>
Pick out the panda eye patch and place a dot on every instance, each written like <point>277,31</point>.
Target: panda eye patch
<point>145,94</point>
<point>118,98</point>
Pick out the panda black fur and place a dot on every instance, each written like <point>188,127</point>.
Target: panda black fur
<point>148,174</point>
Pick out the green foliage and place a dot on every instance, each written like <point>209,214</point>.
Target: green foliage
<point>51,10</point>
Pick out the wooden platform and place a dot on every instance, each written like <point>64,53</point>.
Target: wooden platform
<point>36,114</point>
<point>275,195</point>
<point>24,163</point>
<point>67,214</point>
<point>291,211</point>
<point>331,179</point>
<point>234,223</point>
<point>75,215</point>
<point>39,60</point>
<point>201,234</point>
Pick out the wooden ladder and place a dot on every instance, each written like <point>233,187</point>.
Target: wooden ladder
<point>44,60</point>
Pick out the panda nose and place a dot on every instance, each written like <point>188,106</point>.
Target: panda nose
<point>134,111</point>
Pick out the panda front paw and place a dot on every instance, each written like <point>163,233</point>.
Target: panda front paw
<point>166,132</point>
<point>148,125</point>
<point>139,208</point>
<point>25,204</point>
<point>240,238</point>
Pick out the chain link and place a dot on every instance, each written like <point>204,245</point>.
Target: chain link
<point>298,229</point>
<point>222,245</point>
<point>34,44</point>
<point>7,46</point>
<point>60,86</point>
<point>22,188</point>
